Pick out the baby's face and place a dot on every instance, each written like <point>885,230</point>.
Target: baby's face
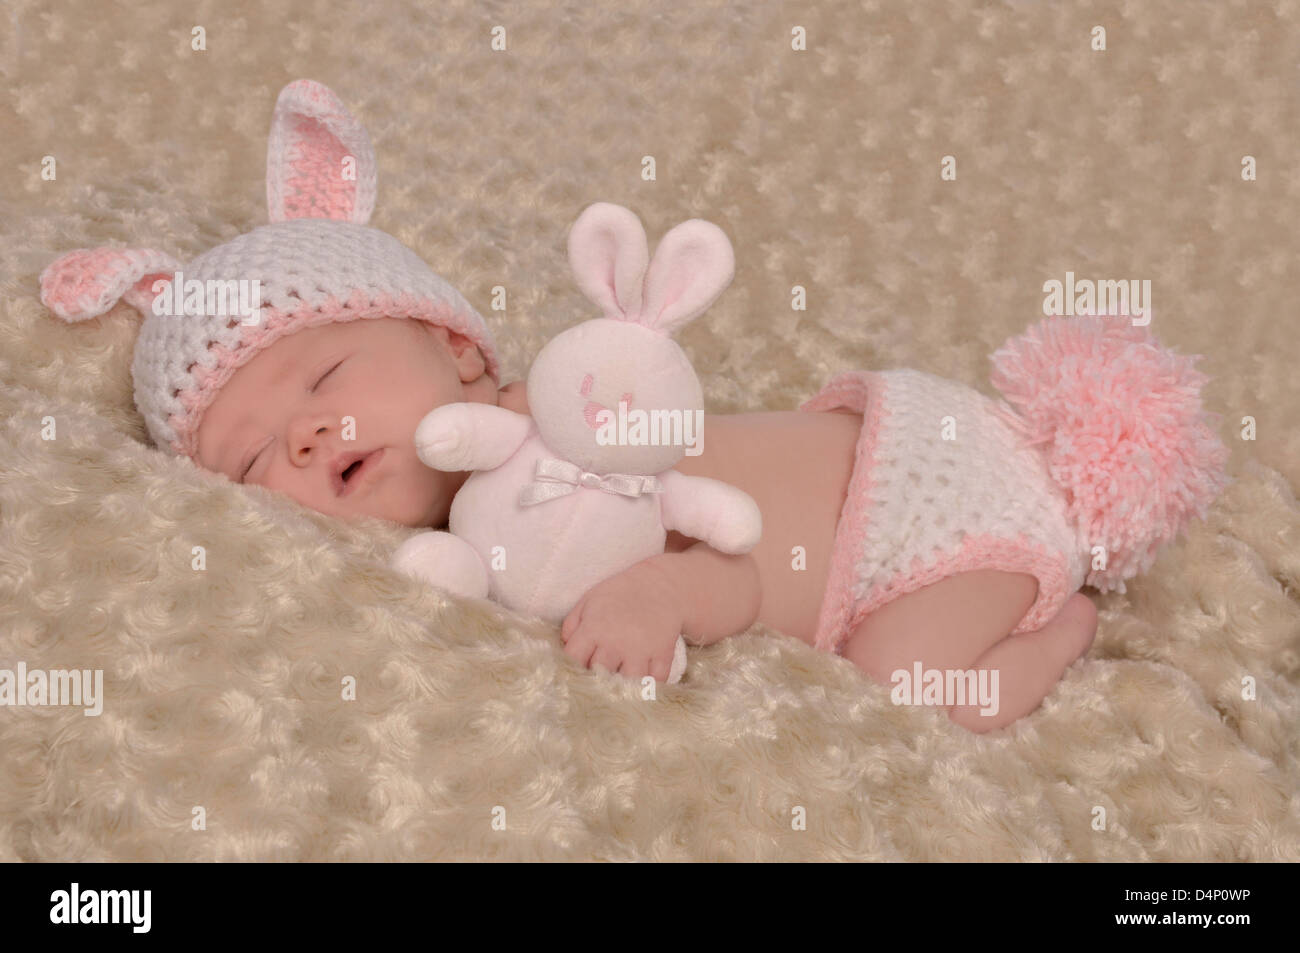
<point>282,420</point>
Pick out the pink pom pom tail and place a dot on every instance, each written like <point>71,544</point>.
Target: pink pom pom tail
<point>1123,430</point>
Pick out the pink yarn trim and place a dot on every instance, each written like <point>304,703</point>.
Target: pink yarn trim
<point>276,324</point>
<point>859,392</point>
<point>1016,554</point>
<point>840,612</point>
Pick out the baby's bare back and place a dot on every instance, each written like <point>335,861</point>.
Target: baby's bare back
<point>797,467</point>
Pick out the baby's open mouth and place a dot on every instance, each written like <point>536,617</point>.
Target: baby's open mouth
<point>351,469</point>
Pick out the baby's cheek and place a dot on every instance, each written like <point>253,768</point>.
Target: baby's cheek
<point>419,494</point>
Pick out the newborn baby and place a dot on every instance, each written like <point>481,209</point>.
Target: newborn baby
<point>278,422</point>
<point>355,340</point>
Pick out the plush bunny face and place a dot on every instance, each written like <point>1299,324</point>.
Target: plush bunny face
<point>594,367</point>
<point>628,357</point>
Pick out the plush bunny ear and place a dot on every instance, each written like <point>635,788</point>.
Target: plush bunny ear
<point>608,254</point>
<point>319,163</point>
<point>693,264</point>
<point>89,281</point>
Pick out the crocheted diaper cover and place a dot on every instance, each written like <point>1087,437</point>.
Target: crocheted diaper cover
<point>941,485</point>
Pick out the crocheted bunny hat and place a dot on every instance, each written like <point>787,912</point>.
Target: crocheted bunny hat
<point>317,263</point>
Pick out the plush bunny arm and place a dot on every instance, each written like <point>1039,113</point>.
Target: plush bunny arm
<point>717,513</point>
<point>469,436</point>
<point>443,561</point>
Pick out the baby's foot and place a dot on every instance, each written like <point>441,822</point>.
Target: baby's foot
<point>1078,626</point>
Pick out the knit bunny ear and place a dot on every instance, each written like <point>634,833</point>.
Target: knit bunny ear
<point>693,264</point>
<point>608,255</point>
<point>319,163</point>
<point>89,281</point>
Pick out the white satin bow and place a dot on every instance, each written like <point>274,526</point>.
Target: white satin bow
<point>555,478</point>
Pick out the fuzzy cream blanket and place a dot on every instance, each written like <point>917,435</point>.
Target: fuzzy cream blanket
<point>225,734</point>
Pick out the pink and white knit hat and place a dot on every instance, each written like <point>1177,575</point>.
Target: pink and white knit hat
<point>317,263</point>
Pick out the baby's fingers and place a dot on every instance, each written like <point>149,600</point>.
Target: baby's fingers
<point>610,657</point>
<point>572,620</point>
<point>635,667</point>
<point>580,647</point>
<point>661,667</point>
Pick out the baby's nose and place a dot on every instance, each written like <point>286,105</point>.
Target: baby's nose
<point>308,438</point>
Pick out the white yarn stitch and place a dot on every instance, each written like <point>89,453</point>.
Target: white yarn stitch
<point>300,263</point>
<point>927,494</point>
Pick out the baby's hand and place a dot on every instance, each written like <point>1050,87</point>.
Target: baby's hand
<point>628,623</point>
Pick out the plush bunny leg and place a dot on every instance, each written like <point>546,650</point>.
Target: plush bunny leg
<point>445,562</point>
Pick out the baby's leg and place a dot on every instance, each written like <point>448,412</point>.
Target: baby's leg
<point>945,625</point>
<point>963,622</point>
<point>1029,664</point>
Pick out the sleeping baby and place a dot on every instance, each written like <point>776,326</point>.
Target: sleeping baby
<point>883,540</point>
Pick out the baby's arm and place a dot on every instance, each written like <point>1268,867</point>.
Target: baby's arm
<point>629,623</point>
<point>720,594</point>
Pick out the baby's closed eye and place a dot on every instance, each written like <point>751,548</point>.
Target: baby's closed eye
<point>321,379</point>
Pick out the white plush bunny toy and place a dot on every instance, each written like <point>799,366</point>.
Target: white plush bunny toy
<point>566,498</point>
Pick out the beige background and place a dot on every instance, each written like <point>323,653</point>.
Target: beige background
<point>823,169</point>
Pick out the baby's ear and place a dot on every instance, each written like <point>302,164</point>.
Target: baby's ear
<point>319,162</point>
<point>466,355</point>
